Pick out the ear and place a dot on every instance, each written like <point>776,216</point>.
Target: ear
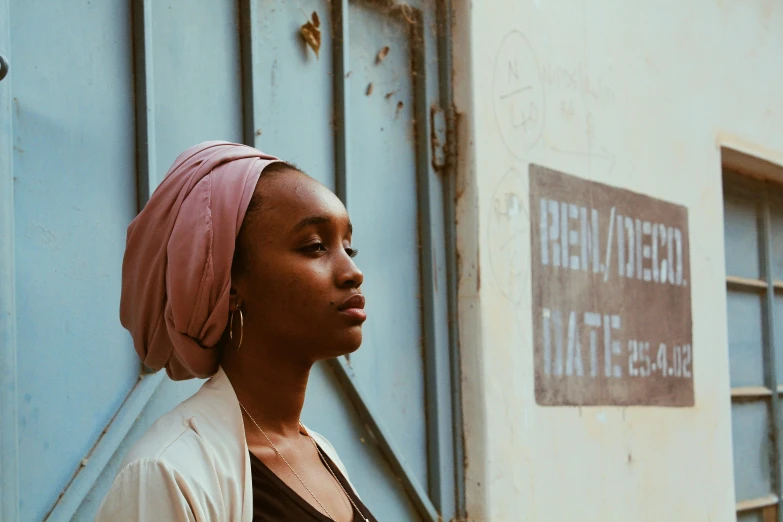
<point>234,302</point>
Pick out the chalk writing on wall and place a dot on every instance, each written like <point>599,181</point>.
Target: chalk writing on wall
<point>507,223</point>
<point>611,295</point>
<point>518,94</point>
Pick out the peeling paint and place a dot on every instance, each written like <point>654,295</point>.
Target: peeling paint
<point>311,33</point>
<point>381,55</point>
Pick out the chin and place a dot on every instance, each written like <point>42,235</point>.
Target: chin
<point>346,343</point>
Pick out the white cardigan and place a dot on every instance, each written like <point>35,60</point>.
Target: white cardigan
<point>192,465</point>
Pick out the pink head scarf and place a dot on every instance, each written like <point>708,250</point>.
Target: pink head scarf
<point>176,274</point>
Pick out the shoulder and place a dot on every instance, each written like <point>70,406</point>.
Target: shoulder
<point>148,489</point>
<point>201,429</point>
<point>171,471</point>
<point>173,439</point>
<point>193,460</point>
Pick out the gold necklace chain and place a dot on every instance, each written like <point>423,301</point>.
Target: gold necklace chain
<point>297,475</point>
<point>326,463</point>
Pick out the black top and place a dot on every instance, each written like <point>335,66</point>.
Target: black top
<point>275,501</point>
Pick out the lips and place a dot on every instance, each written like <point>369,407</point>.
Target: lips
<point>356,301</point>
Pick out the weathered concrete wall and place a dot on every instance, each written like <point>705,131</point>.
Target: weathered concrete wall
<point>637,95</point>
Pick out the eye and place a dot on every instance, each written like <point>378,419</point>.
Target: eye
<point>352,252</point>
<point>314,248</point>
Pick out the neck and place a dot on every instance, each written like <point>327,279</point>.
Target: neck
<point>271,390</point>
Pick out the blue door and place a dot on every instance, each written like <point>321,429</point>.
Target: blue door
<point>99,99</point>
<point>69,191</point>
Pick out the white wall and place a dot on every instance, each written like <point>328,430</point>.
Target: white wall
<point>638,95</point>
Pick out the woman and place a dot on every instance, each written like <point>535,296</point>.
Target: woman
<point>240,268</point>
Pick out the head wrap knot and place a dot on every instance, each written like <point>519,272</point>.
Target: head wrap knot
<point>176,273</point>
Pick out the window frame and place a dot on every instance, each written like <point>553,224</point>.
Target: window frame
<point>762,193</point>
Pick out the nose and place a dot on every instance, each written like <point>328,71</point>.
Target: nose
<point>350,275</point>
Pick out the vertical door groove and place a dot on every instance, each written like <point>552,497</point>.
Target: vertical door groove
<point>247,39</point>
<point>340,60</point>
<point>143,52</point>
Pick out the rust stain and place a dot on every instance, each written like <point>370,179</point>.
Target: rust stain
<point>311,33</point>
<point>369,89</point>
<point>382,55</point>
<point>435,268</point>
<point>459,190</point>
<point>392,93</point>
<point>400,105</point>
<point>407,13</point>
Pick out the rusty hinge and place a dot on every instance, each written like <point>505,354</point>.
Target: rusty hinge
<point>438,137</point>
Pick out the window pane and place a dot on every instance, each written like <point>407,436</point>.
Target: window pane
<point>746,345</point>
<point>750,429</point>
<point>750,516</point>
<point>740,233</point>
<point>779,336</point>
<point>776,209</point>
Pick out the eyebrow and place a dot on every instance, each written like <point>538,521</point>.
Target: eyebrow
<point>316,220</point>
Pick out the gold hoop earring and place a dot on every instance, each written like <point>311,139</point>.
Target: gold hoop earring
<point>241,327</point>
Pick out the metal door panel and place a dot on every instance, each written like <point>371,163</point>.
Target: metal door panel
<point>383,204</point>
<point>329,411</point>
<point>236,70</point>
<point>74,196</point>
<point>292,99</point>
<point>9,455</point>
<point>196,84</point>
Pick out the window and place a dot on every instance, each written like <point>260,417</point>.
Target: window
<point>753,234</point>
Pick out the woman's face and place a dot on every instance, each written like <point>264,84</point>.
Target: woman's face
<point>297,284</point>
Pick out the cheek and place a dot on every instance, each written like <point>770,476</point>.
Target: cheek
<point>293,287</point>
<point>301,293</point>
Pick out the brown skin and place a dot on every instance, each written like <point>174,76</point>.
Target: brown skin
<point>294,271</point>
